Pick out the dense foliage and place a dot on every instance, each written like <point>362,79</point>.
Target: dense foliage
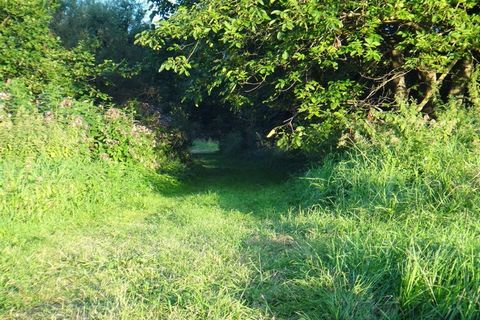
<point>324,63</point>
<point>44,80</point>
<point>29,50</point>
<point>61,128</point>
<point>106,29</point>
<point>163,9</point>
<point>107,26</point>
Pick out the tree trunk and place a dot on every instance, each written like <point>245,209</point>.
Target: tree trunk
<point>399,82</point>
<point>460,80</point>
<point>430,78</point>
<point>433,84</point>
<point>474,87</point>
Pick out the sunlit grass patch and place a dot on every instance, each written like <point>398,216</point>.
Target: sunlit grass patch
<point>201,146</point>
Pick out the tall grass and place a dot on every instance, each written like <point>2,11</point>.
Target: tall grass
<point>62,158</point>
<point>405,167</point>
<point>43,190</point>
<point>65,166</point>
<point>401,206</point>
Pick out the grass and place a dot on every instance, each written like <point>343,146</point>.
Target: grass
<point>231,243</point>
<point>387,230</point>
<point>178,258</point>
<point>200,146</point>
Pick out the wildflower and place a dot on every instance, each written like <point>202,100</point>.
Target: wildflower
<point>78,122</point>
<point>113,114</point>
<point>4,96</point>
<point>49,117</point>
<point>104,156</point>
<point>138,130</point>
<point>66,103</point>
<point>112,142</point>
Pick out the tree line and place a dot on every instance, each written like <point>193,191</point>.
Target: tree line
<point>301,73</point>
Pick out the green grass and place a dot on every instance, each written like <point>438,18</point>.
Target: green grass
<point>200,146</point>
<point>170,253</point>
<point>229,243</point>
<point>387,230</point>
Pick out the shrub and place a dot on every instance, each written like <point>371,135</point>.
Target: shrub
<point>61,158</point>
<point>31,52</point>
<point>49,126</point>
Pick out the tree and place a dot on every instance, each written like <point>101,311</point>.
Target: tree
<point>31,52</point>
<point>106,29</point>
<point>28,49</point>
<point>165,8</point>
<point>324,63</point>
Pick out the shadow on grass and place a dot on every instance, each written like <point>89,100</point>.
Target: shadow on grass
<point>321,265</point>
<point>250,185</point>
<point>317,265</point>
<point>293,277</point>
<point>302,268</point>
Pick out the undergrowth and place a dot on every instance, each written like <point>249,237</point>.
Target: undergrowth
<point>61,158</point>
<point>393,221</point>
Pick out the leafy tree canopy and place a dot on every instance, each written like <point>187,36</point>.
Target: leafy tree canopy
<point>323,63</point>
<point>106,27</point>
<point>164,8</point>
<point>31,52</point>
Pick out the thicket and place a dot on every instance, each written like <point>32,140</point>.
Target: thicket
<point>64,149</point>
<point>106,30</point>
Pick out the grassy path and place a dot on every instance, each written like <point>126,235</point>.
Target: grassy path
<point>230,243</point>
<point>188,254</point>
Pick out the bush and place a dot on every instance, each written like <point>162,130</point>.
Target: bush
<point>61,128</point>
<point>61,158</point>
<point>31,52</point>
